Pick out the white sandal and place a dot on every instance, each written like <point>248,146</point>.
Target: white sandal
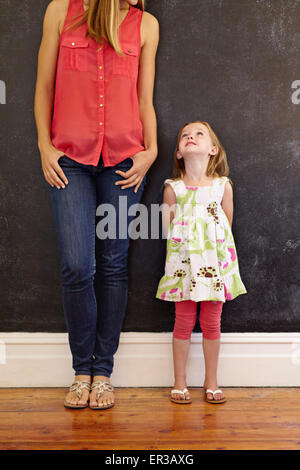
<point>185,401</point>
<point>215,402</point>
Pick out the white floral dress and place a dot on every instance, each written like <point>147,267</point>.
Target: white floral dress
<point>201,259</point>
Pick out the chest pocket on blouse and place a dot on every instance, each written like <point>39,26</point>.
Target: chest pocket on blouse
<point>127,64</point>
<point>74,53</point>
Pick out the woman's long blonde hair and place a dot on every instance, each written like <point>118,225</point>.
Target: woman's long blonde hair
<point>102,19</point>
<point>217,165</point>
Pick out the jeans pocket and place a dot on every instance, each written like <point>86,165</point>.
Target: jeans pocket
<point>62,159</point>
<point>124,165</point>
<point>67,162</point>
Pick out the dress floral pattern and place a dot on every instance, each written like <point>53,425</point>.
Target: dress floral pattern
<point>201,258</point>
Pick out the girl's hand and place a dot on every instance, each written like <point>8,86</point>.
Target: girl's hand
<point>52,170</point>
<point>141,164</point>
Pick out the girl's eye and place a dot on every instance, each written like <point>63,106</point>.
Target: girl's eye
<point>199,132</point>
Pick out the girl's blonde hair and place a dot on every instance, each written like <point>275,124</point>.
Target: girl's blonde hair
<point>102,19</point>
<point>217,165</point>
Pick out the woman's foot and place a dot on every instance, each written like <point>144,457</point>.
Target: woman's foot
<point>213,386</point>
<point>106,399</point>
<point>72,397</point>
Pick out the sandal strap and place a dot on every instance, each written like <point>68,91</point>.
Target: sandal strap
<point>213,392</point>
<point>78,386</point>
<point>180,392</point>
<point>101,387</point>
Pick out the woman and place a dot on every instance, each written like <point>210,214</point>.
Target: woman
<point>97,141</point>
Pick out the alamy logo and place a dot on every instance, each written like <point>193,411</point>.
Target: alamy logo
<point>296,95</point>
<point>114,224</point>
<point>2,92</point>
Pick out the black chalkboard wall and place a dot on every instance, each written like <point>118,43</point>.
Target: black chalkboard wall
<point>233,63</point>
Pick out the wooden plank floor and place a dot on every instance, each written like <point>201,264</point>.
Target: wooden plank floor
<point>144,418</point>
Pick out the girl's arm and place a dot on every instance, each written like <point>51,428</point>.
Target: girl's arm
<point>142,161</point>
<point>227,202</point>
<point>168,208</point>
<point>44,93</point>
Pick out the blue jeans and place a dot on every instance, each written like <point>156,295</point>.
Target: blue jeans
<point>94,300</point>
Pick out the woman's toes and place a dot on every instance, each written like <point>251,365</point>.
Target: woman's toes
<point>72,399</point>
<point>105,402</point>
<point>102,402</point>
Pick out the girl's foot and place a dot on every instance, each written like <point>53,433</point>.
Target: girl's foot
<point>72,397</point>
<point>107,397</point>
<point>213,386</point>
<point>181,396</point>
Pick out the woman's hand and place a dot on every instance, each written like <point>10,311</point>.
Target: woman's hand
<point>52,170</point>
<point>141,164</point>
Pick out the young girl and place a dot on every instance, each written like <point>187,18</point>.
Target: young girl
<point>201,261</point>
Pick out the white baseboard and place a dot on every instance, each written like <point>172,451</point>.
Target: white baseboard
<point>145,360</point>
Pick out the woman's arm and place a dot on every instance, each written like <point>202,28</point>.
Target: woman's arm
<point>44,93</point>
<point>150,34</point>
<point>227,202</point>
<point>142,161</point>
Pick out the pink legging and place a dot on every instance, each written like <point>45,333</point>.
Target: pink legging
<point>210,318</point>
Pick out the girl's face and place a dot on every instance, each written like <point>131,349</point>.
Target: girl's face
<point>195,140</point>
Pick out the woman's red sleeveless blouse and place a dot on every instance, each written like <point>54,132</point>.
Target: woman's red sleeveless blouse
<point>95,103</point>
